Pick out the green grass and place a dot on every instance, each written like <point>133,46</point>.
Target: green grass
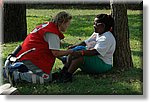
<point>113,82</point>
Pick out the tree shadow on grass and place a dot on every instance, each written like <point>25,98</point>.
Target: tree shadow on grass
<point>114,82</point>
<point>135,23</point>
<point>82,25</point>
<point>117,80</point>
<point>137,53</point>
<point>114,72</point>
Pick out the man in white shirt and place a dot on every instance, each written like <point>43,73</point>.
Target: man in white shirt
<point>97,58</point>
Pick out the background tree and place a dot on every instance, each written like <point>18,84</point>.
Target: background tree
<point>15,26</point>
<point>122,56</point>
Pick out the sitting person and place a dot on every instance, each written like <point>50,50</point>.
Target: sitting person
<point>97,57</point>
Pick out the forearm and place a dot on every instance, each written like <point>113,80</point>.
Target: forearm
<point>60,53</point>
<point>89,52</point>
<point>77,54</point>
<point>80,44</point>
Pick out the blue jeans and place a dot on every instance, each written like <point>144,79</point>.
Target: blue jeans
<point>34,75</point>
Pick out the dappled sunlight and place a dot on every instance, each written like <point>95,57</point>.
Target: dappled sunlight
<point>116,81</point>
<point>131,87</point>
<point>135,25</point>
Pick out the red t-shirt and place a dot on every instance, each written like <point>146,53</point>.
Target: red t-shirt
<point>42,57</point>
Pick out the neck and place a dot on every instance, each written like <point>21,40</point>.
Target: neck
<point>101,33</point>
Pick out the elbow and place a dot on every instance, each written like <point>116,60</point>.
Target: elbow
<point>55,53</point>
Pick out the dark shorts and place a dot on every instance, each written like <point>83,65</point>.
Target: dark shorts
<point>93,64</point>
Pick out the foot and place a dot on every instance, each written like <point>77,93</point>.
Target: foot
<point>62,77</point>
<point>67,77</point>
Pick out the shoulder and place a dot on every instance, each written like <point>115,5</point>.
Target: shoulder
<point>108,35</point>
<point>49,34</point>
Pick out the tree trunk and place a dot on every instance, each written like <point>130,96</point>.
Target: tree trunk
<point>122,56</point>
<point>15,27</point>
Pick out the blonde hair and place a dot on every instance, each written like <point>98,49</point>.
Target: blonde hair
<point>61,17</point>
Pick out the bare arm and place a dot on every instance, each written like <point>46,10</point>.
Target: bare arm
<point>92,52</point>
<point>80,44</point>
<point>59,53</point>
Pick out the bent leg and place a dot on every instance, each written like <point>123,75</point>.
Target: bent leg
<point>75,64</point>
<point>30,77</point>
<point>70,67</point>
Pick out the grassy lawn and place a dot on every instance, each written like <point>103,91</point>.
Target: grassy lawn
<point>113,82</point>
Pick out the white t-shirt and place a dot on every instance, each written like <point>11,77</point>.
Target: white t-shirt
<point>53,41</point>
<point>105,44</point>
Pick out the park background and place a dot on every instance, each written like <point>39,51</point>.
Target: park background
<point>114,82</point>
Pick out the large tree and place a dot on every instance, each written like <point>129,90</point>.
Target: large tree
<point>122,56</point>
<point>15,27</point>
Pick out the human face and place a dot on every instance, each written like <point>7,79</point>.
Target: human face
<point>63,27</point>
<point>98,27</point>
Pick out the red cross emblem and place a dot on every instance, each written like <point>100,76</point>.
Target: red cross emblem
<point>45,76</point>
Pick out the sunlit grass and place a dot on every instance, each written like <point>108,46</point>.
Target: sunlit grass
<point>114,82</point>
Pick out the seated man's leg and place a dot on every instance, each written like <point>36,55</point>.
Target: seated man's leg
<point>72,65</point>
<point>75,64</point>
<point>94,65</point>
<point>67,64</point>
<point>89,64</point>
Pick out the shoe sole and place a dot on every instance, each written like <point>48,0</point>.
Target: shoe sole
<point>6,89</point>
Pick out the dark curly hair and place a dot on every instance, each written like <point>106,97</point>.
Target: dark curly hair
<point>107,20</point>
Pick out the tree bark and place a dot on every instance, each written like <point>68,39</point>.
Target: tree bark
<point>122,56</point>
<point>15,27</point>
